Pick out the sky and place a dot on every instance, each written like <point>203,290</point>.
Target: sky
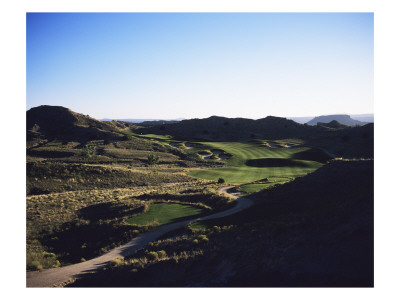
<point>195,65</point>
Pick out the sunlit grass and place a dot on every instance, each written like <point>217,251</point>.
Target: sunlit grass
<point>237,170</point>
<point>164,213</point>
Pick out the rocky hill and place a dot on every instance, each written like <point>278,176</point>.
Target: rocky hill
<point>337,139</point>
<point>228,129</point>
<point>49,122</point>
<point>347,142</point>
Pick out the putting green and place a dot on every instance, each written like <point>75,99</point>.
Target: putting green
<point>164,213</point>
<point>252,161</point>
<point>255,187</point>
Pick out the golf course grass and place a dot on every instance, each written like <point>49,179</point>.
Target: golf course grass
<point>252,161</point>
<point>164,213</point>
<point>255,187</point>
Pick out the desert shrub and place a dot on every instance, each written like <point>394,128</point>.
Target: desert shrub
<point>116,261</point>
<point>89,150</point>
<point>203,238</point>
<point>221,180</point>
<point>217,228</point>
<point>33,265</point>
<point>152,255</point>
<point>39,260</point>
<point>153,159</point>
<point>49,255</point>
<point>161,254</point>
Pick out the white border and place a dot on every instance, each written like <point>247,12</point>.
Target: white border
<point>386,134</point>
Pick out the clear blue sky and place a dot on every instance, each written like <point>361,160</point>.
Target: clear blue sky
<point>188,65</point>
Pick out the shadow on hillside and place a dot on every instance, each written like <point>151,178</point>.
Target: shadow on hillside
<point>50,154</point>
<point>77,240</point>
<point>108,211</point>
<point>274,162</point>
<point>312,154</point>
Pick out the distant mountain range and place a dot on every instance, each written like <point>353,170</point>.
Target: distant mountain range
<point>342,119</point>
<point>369,118</point>
<point>364,118</point>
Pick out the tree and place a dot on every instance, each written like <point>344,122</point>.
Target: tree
<point>153,159</point>
<point>90,150</point>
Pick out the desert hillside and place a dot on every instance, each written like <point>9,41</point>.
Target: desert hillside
<point>314,231</point>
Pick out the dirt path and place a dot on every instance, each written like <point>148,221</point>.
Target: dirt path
<point>56,276</point>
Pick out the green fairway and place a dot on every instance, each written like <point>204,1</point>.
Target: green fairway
<point>155,136</point>
<point>164,213</point>
<point>255,187</point>
<point>251,161</point>
<point>149,136</point>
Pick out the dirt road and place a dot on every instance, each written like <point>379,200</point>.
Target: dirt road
<point>56,276</point>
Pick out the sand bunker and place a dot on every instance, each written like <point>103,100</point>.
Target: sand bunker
<point>271,145</point>
<point>224,157</point>
<point>190,145</point>
<point>216,151</point>
<point>205,155</point>
<point>210,156</point>
<point>176,145</point>
<point>291,146</point>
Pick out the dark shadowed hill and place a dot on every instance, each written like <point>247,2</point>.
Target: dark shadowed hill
<point>233,129</point>
<point>157,122</point>
<point>332,124</point>
<point>316,231</point>
<point>343,119</point>
<point>48,122</point>
<point>348,142</point>
<point>336,139</point>
<point>328,231</point>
